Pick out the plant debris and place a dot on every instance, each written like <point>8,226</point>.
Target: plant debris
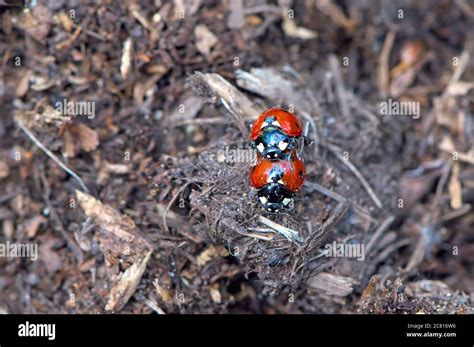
<point>124,156</point>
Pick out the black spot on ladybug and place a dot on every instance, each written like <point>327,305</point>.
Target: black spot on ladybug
<point>296,125</point>
<point>301,173</point>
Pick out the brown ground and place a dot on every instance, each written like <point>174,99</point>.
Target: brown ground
<point>165,225</point>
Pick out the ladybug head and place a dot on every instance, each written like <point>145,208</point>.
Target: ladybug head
<point>272,144</point>
<point>274,197</point>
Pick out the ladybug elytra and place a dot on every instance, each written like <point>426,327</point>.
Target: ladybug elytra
<point>276,133</point>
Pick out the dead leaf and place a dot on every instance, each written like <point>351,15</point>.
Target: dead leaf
<point>165,294</point>
<point>368,291</point>
<point>126,285</point>
<point>79,136</point>
<point>50,257</point>
<point>413,187</point>
<point>210,253</point>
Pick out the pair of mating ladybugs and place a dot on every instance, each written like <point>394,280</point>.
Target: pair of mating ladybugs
<point>277,136</point>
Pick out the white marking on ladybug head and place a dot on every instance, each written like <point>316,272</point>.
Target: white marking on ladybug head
<point>269,209</point>
<point>275,155</point>
<point>263,199</point>
<point>280,181</point>
<point>286,201</point>
<point>283,145</point>
<point>277,210</point>
<point>275,123</point>
<point>261,147</point>
<point>264,124</point>
<point>269,179</point>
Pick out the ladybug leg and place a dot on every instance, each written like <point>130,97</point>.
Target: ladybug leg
<point>299,143</point>
<point>306,129</point>
<point>307,141</point>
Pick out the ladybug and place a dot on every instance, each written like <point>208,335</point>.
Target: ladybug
<point>276,133</point>
<point>277,180</point>
<point>274,197</point>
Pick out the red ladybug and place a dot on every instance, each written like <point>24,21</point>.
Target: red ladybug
<point>277,180</point>
<point>276,133</point>
<point>286,121</point>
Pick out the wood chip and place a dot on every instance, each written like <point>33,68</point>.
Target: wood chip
<point>291,29</point>
<point>454,187</point>
<point>215,293</point>
<point>8,229</point>
<point>46,118</point>
<point>126,61</point>
<point>23,84</point>
<point>68,42</point>
<point>459,88</point>
<point>126,285</point>
<point>33,225</point>
<point>65,21</point>
<point>121,242</point>
<point>4,169</point>
<point>336,14</point>
<point>383,75</point>
<point>205,40</point>
<point>291,235</point>
<point>236,18</point>
<point>331,284</point>
<point>447,145</point>
<point>238,104</point>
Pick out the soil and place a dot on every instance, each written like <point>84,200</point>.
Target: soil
<point>121,125</point>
